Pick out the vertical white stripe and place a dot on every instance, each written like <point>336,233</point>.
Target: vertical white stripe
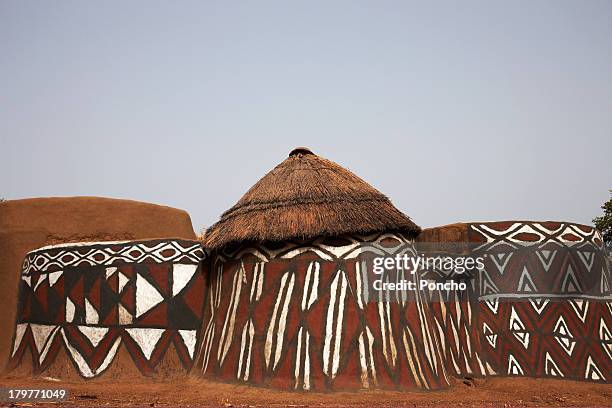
<point>362,361</point>
<point>219,285</point>
<point>254,282</point>
<point>334,332</point>
<point>230,319</point>
<point>358,281</point>
<point>272,325</point>
<point>298,358</point>
<point>418,361</point>
<point>208,342</point>
<point>307,363</point>
<point>389,349</point>
<point>247,371</point>
<point>315,285</point>
<point>338,333</point>
<point>329,325</point>
<point>306,285</point>
<point>242,347</point>
<point>409,354</point>
<point>260,280</point>
<point>371,355</point>
<point>280,335</point>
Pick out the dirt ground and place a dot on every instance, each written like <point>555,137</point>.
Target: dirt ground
<point>191,392</point>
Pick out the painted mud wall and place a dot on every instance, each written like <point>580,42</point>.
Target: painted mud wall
<point>294,316</point>
<point>32,223</point>
<point>297,316</point>
<point>109,309</point>
<point>545,300</point>
<point>542,302</point>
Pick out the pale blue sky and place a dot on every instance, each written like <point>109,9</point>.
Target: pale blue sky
<point>458,111</point>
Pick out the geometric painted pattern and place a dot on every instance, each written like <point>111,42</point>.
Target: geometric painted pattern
<point>553,343</point>
<point>296,316</point>
<point>92,299</point>
<point>545,301</point>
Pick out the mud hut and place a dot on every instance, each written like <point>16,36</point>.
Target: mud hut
<point>542,301</point>
<point>28,224</point>
<point>287,304</point>
<point>112,310</point>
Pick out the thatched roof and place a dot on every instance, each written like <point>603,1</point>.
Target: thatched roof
<point>307,196</point>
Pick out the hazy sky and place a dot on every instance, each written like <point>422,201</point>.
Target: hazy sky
<point>458,111</point>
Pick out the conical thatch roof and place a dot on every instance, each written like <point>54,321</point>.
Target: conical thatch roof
<point>307,196</point>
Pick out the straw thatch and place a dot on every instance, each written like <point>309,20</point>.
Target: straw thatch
<point>307,196</point>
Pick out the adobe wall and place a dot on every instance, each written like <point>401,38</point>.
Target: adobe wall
<point>29,224</point>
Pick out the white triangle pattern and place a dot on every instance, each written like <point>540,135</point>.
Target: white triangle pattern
<point>501,260</point>
<point>94,334</point>
<point>41,278</point>
<point>526,283</point>
<point>123,280</point>
<point>487,287</point>
<point>605,337</point>
<point>514,368</point>
<point>592,372</point>
<point>539,304</point>
<point>563,336</point>
<point>41,333</point>
<point>581,307</point>
<point>125,317</point>
<point>570,283</point>
<point>587,258</point>
<point>146,296</point>
<point>189,338</point>
<point>518,329</point>
<point>489,335</point>
<point>146,339</point>
<point>493,305</point>
<point>110,271</point>
<point>181,275</point>
<point>604,332</point>
<point>515,322</point>
<point>551,368</point>
<point>91,314</point>
<point>54,277</point>
<point>546,258</point>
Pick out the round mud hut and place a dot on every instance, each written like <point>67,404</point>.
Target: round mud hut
<point>288,305</point>
<point>111,310</point>
<point>28,224</point>
<point>543,301</point>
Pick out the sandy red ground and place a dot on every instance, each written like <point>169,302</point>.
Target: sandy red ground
<point>191,392</point>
